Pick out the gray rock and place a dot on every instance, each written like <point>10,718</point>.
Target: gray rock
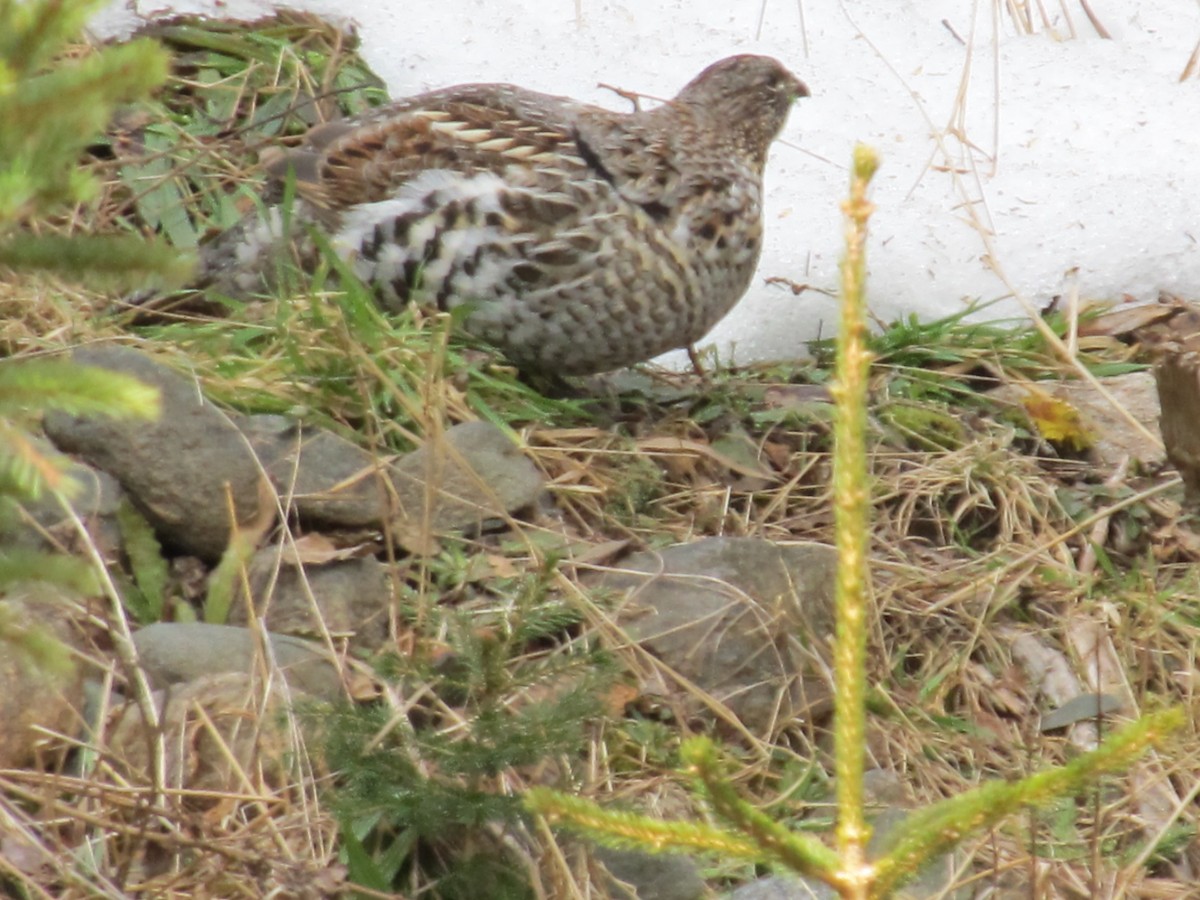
<point>883,787</point>
<point>650,876</point>
<point>933,881</point>
<point>96,493</point>
<point>178,468</point>
<point>454,481</point>
<point>739,617</point>
<point>350,596</point>
<point>175,652</point>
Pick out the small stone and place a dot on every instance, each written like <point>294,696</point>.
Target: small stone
<point>328,480</point>
<point>176,652</point>
<point>350,597</point>
<point>94,496</point>
<point>936,878</point>
<point>479,474</point>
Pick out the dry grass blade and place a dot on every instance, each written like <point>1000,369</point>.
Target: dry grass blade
<point>1192,65</point>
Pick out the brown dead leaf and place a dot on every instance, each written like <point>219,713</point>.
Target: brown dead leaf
<point>618,697</point>
<point>1175,542</point>
<point>251,530</point>
<point>1005,695</point>
<point>680,463</point>
<point>778,454</point>
<point>740,448</point>
<point>24,854</point>
<point>1126,320</point>
<point>597,554</point>
<point>414,538</point>
<point>362,688</point>
<point>502,566</point>
<point>315,549</point>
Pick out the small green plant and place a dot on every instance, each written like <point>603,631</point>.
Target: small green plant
<point>749,833</point>
<point>642,483</point>
<point>145,596</point>
<point>486,695</point>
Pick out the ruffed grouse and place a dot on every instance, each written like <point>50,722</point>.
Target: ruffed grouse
<point>584,239</point>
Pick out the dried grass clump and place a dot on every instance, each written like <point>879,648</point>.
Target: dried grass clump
<point>978,496</point>
<point>241,814</point>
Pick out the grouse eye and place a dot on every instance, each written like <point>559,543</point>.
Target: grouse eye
<point>776,83</point>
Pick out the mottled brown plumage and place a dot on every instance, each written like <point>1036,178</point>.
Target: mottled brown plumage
<point>583,239</point>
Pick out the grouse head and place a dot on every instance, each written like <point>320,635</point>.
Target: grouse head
<point>748,96</point>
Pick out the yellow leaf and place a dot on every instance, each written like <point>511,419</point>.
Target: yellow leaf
<point>1057,420</point>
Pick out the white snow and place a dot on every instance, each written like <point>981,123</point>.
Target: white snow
<point>1015,166</point>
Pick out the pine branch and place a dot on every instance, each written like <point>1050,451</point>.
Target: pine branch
<point>636,832</point>
<point>34,32</point>
<point>799,852</point>
<point>35,565</point>
<point>103,261</point>
<point>26,468</point>
<point>35,385</point>
<point>46,119</point>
